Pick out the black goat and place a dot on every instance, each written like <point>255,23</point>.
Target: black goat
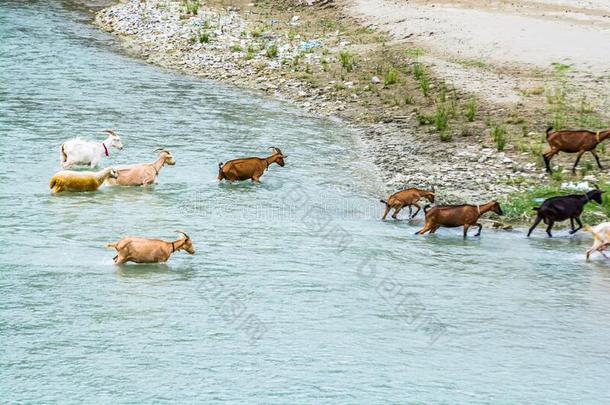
<point>565,207</point>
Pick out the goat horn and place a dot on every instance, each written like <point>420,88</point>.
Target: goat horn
<point>182,232</point>
<point>110,131</point>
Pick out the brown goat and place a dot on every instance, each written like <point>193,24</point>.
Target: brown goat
<point>451,216</point>
<point>406,198</point>
<point>569,141</point>
<point>249,168</point>
<point>142,250</point>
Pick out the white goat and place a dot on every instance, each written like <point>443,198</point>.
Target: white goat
<point>601,238</point>
<point>80,152</point>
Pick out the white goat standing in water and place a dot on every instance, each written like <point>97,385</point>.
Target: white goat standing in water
<point>80,152</point>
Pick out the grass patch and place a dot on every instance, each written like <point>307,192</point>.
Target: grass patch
<point>271,51</point>
<point>235,48</point>
<point>190,7</point>
<point>441,117</point>
<point>347,61</point>
<point>418,71</point>
<point>390,76</point>
<point>424,85</point>
<point>471,109</point>
<point>499,134</point>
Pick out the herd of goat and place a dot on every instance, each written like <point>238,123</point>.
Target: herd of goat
<point>78,152</point>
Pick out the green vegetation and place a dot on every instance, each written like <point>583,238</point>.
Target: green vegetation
<point>191,7</point>
<point>471,109</point>
<point>235,48</point>
<point>271,51</point>
<point>424,85</point>
<point>347,61</point>
<point>203,37</point>
<point>441,118</point>
<point>499,134</point>
<point>418,71</point>
<point>390,76</point>
<point>250,52</point>
<point>415,53</point>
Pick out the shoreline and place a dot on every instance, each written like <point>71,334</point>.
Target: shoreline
<point>264,50</point>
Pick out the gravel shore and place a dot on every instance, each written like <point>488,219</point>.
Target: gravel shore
<point>224,44</point>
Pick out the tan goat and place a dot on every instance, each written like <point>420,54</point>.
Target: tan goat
<point>68,180</point>
<point>144,173</point>
<point>143,250</point>
<point>406,198</point>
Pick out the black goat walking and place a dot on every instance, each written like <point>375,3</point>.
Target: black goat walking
<point>565,207</point>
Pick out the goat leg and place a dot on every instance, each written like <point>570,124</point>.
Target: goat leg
<point>536,222</point>
<point>416,212</point>
<point>577,160</point>
<point>480,228</point>
<point>385,213</point>
<point>573,231</point>
<point>594,153</point>
<point>466,226</point>
<point>548,228</point>
<point>397,209</point>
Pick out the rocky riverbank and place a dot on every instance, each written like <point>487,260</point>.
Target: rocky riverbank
<point>419,130</point>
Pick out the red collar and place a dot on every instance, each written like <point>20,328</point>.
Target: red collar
<point>105,148</point>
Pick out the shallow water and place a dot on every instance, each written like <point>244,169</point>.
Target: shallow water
<point>297,293</point>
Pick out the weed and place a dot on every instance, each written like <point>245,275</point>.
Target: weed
<point>271,51</point>
<point>418,71</point>
<point>235,48</point>
<point>202,37</point>
<point>440,117</point>
<point>347,61</point>
<point>390,76</point>
<point>499,135</point>
<point>424,119</point>
<point>471,109</point>
<point>191,7</point>
<point>424,85</point>
<point>446,136</point>
<point>408,99</point>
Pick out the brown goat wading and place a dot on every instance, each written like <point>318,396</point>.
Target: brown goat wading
<point>249,168</point>
<point>452,216</point>
<point>143,250</point>
<point>573,141</point>
<point>406,198</point>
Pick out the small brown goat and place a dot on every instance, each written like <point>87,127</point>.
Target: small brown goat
<point>406,198</point>
<point>142,250</point>
<point>573,141</point>
<point>451,216</point>
<point>249,168</point>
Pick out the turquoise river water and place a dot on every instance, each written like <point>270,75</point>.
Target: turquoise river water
<point>298,293</point>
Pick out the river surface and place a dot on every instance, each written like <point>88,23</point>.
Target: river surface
<point>298,293</point>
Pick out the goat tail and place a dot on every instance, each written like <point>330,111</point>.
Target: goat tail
<point>111,245</point>
<point>548,131</point>
<point>426,208</point>
<point>384,201</point>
